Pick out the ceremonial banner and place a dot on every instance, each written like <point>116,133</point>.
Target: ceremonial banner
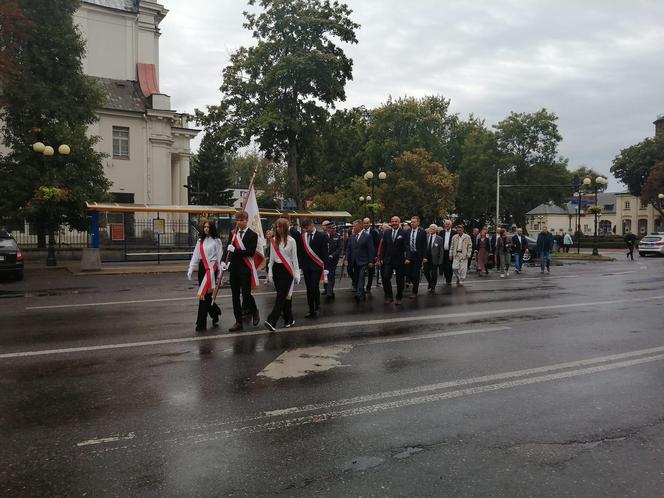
<point>254,222</point>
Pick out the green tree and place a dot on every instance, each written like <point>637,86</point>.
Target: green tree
<point>49,99</point>
<point>633,164</point>
<point>419,185</point>
<point>528,146</point>
<point>210,175</point>
<point>279,90</point>
<point>13,27</point>
<point>654,187</point>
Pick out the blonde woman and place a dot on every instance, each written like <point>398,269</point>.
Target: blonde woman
<point>284,271</point>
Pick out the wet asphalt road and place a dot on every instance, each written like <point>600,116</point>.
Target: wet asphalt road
<point>536,385</point>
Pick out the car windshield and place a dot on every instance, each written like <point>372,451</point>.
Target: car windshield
<point>8,243</point>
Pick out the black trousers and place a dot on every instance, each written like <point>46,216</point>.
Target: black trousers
<point>446,267</point>
<point>431,273</point>
<point>414,270</point>
<point>331,268</point>
<point>282,283</point>
<point>388,270</point>
<point>360,272</point>
<point>312,282</point>
<point>370,275</point>
<point>241,285</point>
<point>205,306</point>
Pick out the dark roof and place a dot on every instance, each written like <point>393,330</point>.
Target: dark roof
<point>126,5</point>
<point>123,95</point>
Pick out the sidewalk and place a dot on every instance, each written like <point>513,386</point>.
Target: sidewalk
<point>120,268</point>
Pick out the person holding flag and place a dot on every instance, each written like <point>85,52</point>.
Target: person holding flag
<point>312,252</point>
<point>284,271</point>
<point>206,257</point>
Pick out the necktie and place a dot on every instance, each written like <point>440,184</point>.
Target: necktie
<point>394,235</point>
<point>412,240</point>
<point>430,242</point>
<point>309,238</point>
<point>241,234</point>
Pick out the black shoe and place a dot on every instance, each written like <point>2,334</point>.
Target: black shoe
<point>257,318</point>
<point>289,325</point>
<point>238,326</point>
<point>200,328</point>
<point>269,326</point>
<point>311,314</point>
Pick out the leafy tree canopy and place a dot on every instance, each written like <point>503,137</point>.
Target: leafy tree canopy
<point>633,164</point>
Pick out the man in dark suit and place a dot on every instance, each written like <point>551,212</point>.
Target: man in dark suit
<point>433,257</point>
<point>446,266</point>
<point>519,246</point>
<point>375,237</point>
<point>361,254</point>
<point>416,247</point>
<point>240,271</point>
<point>312,254</point>
<point>393,255</point>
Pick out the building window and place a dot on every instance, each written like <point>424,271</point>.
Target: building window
<point>120,142</point>
<point>644,205</point>
<point>626,204</point>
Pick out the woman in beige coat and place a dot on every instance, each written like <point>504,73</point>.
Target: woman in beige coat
<point>461,250</point>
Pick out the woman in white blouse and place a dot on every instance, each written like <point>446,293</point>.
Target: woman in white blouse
<point>207,259</point>
<point>283,270</point>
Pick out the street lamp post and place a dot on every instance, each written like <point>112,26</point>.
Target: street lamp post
<point>47,151</point>
<point>369,176</point>
<point>599,181</point>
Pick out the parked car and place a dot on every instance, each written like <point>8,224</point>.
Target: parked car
<point>11,256</point>
<point>531,253</point>
<point>652,244</point>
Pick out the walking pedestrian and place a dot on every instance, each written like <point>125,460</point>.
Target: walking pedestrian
<point>483,250</point>
<point>360,255</point>
<point>474,236</point>
<point>207,259</point>
<point>434,255</point>
<point>568,241</point>
<point>630,242</point>
<point>334,248</point>
<point>415,253</point>
<point>544,248</point>
<point>393,251</point>
<point>284,271</point>
<point>375,237</point>
<point>312,252</point>
<point>519,248</point>
<point>503,253</point>
<point>446,266</point>
<point>243,277</point>
<point>460,252</point>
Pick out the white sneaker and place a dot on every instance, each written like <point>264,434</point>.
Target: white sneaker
<point>502,275</point>
<point>507,273</point>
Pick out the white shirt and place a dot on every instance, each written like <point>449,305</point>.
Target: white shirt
<point>290,253</point>
<point>212,248</point>
<point>448,238</point>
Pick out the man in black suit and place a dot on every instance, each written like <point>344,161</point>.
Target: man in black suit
<point>393,255</point>
<point>312,254</point>
<point>519,246</point>
<point>446,267</point>
<point>416,247</point>
<point>375,237</point>
<point>242,244</point>
<point>361,255</point>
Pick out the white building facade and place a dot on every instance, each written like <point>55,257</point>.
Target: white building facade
<point>146,142</point>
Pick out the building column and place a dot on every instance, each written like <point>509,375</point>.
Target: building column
<point>161,171</point>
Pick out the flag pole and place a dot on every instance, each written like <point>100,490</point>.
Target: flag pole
<point>243,207</point>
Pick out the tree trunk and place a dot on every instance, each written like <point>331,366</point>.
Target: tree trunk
<point>41,235</point>
<point>293,175</point>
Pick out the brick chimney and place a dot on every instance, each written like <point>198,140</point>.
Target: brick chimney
<point>659,126</point>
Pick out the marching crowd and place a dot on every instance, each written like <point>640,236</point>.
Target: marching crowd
<point>399,252</point>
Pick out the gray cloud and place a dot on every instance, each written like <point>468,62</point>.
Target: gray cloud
<point>596,64</point>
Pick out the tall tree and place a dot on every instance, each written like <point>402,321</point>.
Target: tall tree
<point>210,174</point>
<point>654,187</point>
<point>633,164</point>
<point>528,146</point>
<point>13,27</point>
<point>277,91</point>
<point>50,100</point>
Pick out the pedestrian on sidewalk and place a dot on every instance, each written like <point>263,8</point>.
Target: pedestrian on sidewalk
<point>206,258</point>
<point>568,241</point>
<point>519,248</point>
<point>483,250</point>
<point>284,271</point>
<point>544,248</point>
<point>460,252</point>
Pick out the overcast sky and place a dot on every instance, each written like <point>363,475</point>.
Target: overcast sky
<point>596,63</point>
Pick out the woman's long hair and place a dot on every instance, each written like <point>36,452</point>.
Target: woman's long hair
<point>281,227</point>
<point>213,230</point>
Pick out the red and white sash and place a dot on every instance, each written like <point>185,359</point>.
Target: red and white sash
<point>237,242</point>
<point>208,282</point>
<point>313,256</point>
<point>287,264</point>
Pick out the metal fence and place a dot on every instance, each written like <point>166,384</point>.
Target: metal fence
<point>27,238</point>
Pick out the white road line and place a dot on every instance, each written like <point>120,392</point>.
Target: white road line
<point>110,439</point>
<point>336,325</point>
<point>293,422</point>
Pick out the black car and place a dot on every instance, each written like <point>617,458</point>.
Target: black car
<point>11,256</point>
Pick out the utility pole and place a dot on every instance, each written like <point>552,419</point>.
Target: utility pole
<point>497,199</point>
